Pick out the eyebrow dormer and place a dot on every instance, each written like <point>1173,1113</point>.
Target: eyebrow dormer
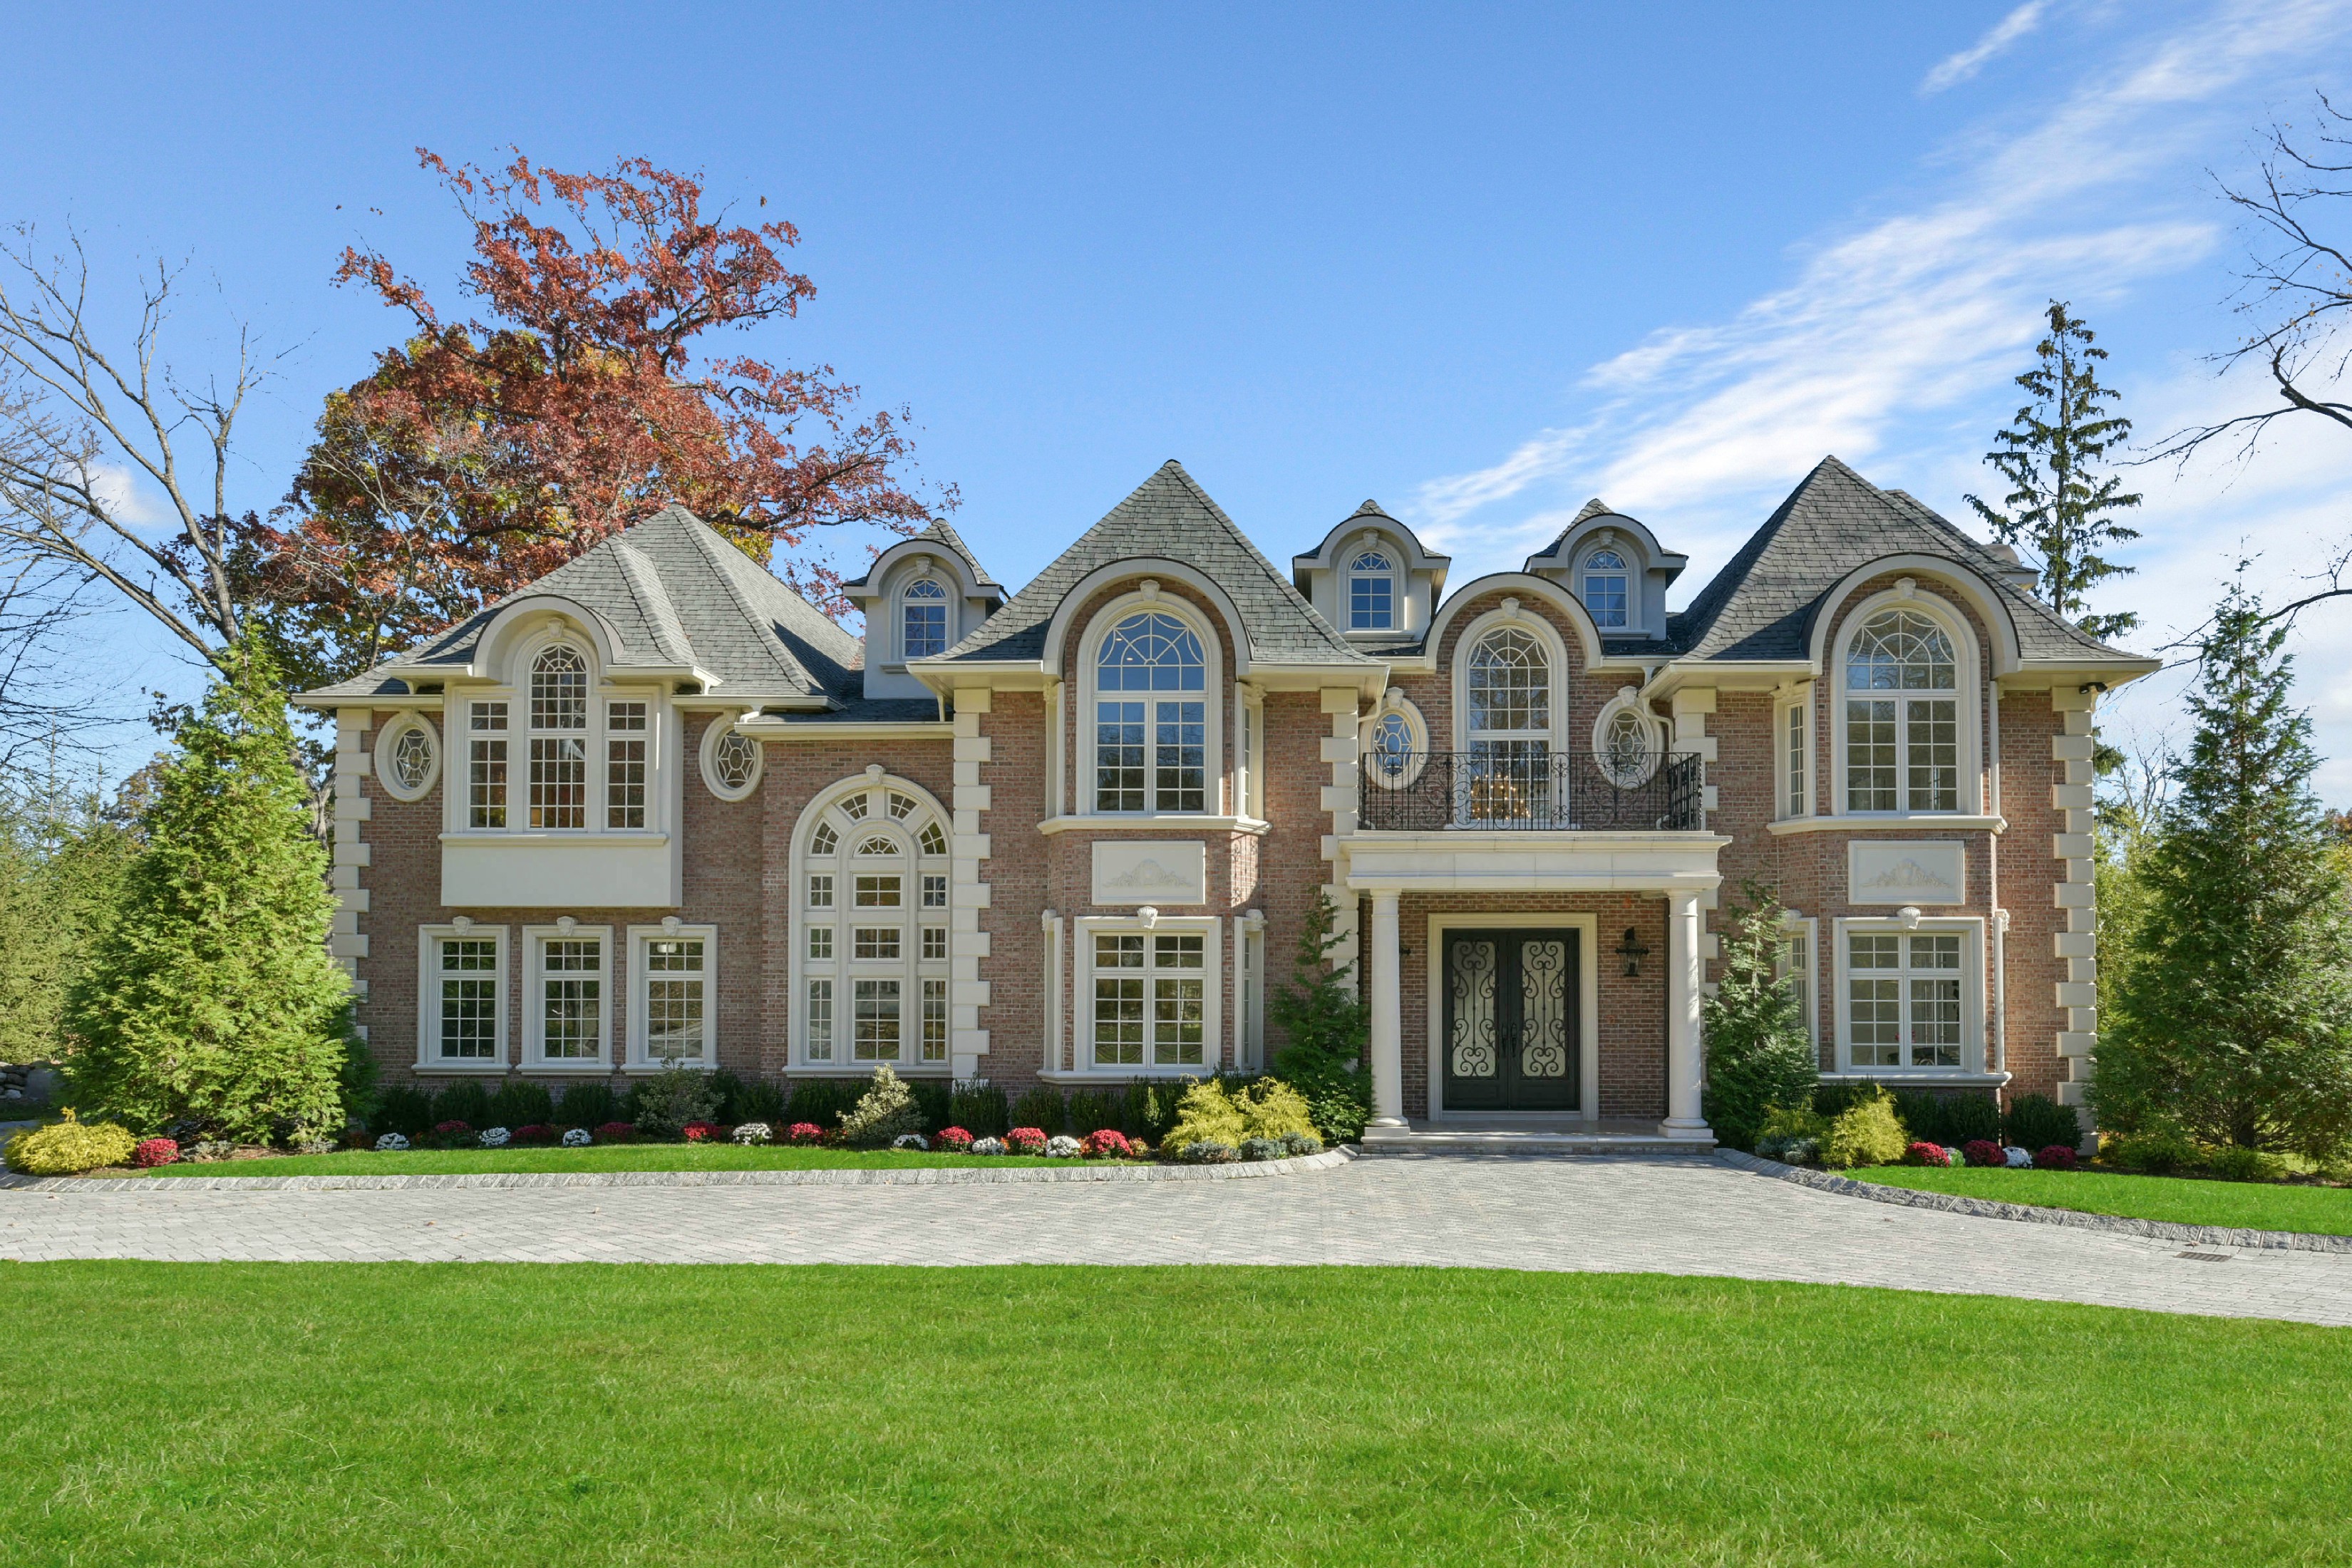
<point>1371,579</point>
<point>1616,569</point>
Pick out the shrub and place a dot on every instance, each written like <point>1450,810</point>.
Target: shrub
<point>465,1100</point>
<point>2036,1121</point>
<point>1090,1108</point>
<point>1150,1108</point>
<point>1025,1141</point>
<point>405,1107</point>
<point>664,1105</point>
<point>2234,1163</point>
<point>824,1101</point>
<point>494,1137</point>
<point>1324,1023</point>
<point>805,1133</point>
<point>69,1146</point>
<point>759,1100</point>
<point>1272,1109</point>
<point>520,1103</point>
<point>1061,1146</point>
<point>1208,1151</point>
<point>453,1133</point>
<point>153,1152</point>
<point>1254,1149</point>
<point>699,1131</point>
<point>1757,1057</point>
<point>1983,1152</point>
<point>979,1105</point>
<point>953,1141</point>
<point>1924,1154</point>
<point>1864,1133</point>
<point>2056,1157</point>
<point>391,1143</point>
<point>1104,1143</point>
<point>612,1132</point>
<point>1042,1108</point>
<point>587,1105</point>
<point>2157,1150</point>
<point>987,1146</point>
<point>578,1138</point>
<point>1208,1115</point>
<point>882,1113</point>
<point>1950,1119</point>
<point>1301,1143</point>
<point>536,1133</point>
<point>754,1132</point>
<point>934,1100</point>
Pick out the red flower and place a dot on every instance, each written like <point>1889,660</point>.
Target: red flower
<point>2057,1157</point>
<point>451,1128</point>
<point>697,1132</point>
<point>536,1133</point>
<point>1104,1143</point>
<point>1983,1152</point>
<point>1925,1154</point>
<point>804,1132</point>
<point>1025,1141</point>
<point>952,1140</point>
<point>155,1151</point>
<point>616,1132</point>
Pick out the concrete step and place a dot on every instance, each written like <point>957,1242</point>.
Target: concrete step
<point>1533,1138</point>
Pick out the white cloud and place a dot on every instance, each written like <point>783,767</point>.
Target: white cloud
<point>125,494</point>
<point>1954,70</point>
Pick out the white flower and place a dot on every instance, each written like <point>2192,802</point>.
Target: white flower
<point>390,1143</point>
<point>493,1137</point>
<point>910,1140</point>
<point>988,1146</point>
<point>1061,1146</point>
<point>578,1138</point>
<point>2018,1159</point>
<point>755,1132</point>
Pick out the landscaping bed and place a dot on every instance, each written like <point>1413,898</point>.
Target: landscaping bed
<point>609,1157</point>
<point>2306,1207</point>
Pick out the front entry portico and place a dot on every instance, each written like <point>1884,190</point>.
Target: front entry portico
<point>1510,1038</point>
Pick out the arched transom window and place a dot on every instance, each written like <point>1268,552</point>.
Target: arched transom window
<point>558,738</point>
<point>1371,592</point>
<point>1151,717</point>
<point>1902,716</point>
<point>1510,695</point>
<point>1607,595</point>
<point>923,620</point>
<point>588,756</point>
<point>873,949</point>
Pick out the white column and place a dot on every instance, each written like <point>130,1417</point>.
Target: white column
<point>1388,1016</point>
<point>1685,973</point>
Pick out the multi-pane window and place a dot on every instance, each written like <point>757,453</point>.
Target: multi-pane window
<point>486,765</point>
<point>559,740</point>
<point>874,942</point>
<point>819,1046</point>
<point>1606,596</point>
<point>1151,741</point>
<point>572,999</point>
<point>935,892</point>
<point>625,765</point>
<point>1796,972</point>
<point>1509,690</point>
<point>1902,999</point>
<point>821,890</point>
<point>675,999</point>
<point>466,976</point>
<point>880,976</point>
<point>875,1028</point>
<point>935,1020</point>
<point>880,889</point>
<point>820,942</point>
<point>924,622</point>
<point>733,764</point>
<point>1372,592</point>
<point>1902,716</point>
<point>411,759</point>
<point>1795,797</point>
<point>1150,999</point>
<point>935,942</point>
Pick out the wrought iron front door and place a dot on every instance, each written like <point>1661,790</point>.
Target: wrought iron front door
<point>1510,1020</point>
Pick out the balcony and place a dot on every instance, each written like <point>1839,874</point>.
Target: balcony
<point>1554,792</point>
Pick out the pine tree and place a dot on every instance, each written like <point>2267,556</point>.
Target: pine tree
<point>210,996</point>
<point>62,861</point>
<point>1757,1058</point>
<point>2234,1021</point>
<point>1325,1024</point>
<point>2060,507</point>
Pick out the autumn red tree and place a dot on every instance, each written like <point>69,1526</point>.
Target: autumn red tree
<point>482,453</point>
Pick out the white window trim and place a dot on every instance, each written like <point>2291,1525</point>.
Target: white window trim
<point>1512,613</point>
<point>1249,992</point>
<point>534,1026</point>
<point>1801,702</point>
<point>913,969</point>
<point>388,775</point>
<point>640,1057</point>
<point>1632,576</point>
<point>1212,1015</point>
<point>1588,1013</point>
<point>720,725</point>
<point>1628,700</point>
<point>1212,694</point>
<point>902,598</point>
<point>428,999</point>
<point>1968,690</point>
<point>1416,738</point>
<point>456,749</point>
<point>1970,928</point>
<point>1809,930</point>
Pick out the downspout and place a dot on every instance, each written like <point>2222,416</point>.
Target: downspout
<point>2000,916</point>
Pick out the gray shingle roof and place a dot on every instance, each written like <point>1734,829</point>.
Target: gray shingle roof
<point>1170,517</point>
<point>939,532</point>
<point>1761,604</point>
<point>669,591</point>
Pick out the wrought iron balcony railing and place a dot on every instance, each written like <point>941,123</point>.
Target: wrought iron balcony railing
<point>1557,791</point>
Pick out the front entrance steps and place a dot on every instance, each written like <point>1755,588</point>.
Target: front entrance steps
<point>1529,1135</point>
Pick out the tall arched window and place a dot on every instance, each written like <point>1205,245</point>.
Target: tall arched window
<point>872,956</point>
<point>1151,717</point>
<point>558,738</point>
<point>1606,590</point>
<point>1902,716</point>
<point>923,620</point>
<point>1508,713</point>
<point>1372,592</point>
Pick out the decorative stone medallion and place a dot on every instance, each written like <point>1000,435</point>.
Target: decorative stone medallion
<point>1930,871</point>
<point>1151,871</point>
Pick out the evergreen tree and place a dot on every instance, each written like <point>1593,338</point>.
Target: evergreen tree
<point>1325,1024</point>
<point>2234,1019</point>
<point>2060,506</point>
<point>1757,1058</point>
<point>210,996</point>
<point>62,861</point>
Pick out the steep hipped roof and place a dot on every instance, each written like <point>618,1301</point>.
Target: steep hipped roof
<point>1761,604</point>
<point>671,591</point>
<point>1170,517</point>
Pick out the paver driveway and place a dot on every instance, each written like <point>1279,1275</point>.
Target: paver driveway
<point>1669,1216</point>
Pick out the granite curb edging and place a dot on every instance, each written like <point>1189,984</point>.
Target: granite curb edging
<point>2032,1213</point>
<point>928,1176</point>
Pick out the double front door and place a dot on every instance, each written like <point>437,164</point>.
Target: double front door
<point>1511,1011</point>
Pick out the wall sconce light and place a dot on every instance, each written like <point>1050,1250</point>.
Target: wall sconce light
<point>1632,952</point>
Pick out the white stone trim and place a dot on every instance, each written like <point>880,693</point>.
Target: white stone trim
<point>428,998</point>
<point>382,759</point>
<point>968,892</point>
<point>1341,708</point>
<point>713,732</point>
<point>534,1015</point>
<point>1084,929</point>
<point>1588,997</point>
<point>345,942</point>
<point>2078,946</point>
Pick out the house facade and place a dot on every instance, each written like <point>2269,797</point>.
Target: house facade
<point>655,807</point>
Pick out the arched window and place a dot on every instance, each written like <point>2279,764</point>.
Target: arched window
<point>1151,717</point>
<point>1372,592</point>
<point>1508,777</point>
<point>872,957</point>
<point>923,623</point>
<point>1902,716</point>
<point>1606,590</point>
<point>558,738</point>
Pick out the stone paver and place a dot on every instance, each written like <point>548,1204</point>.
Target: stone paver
<point>1667,1215</point>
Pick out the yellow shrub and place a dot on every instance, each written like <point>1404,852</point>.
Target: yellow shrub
<point>1272,1109</point>
<point>68,1147</point>
<point>1205,1115</point>
<point>1867,1132</point>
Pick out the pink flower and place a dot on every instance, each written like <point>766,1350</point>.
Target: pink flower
<point>952,1140</point>
<point>804,1132</point>
<point>1025,1141</point>
<point>1104,1143</point>
<point>155,1151</point>
<point>697,1132</point>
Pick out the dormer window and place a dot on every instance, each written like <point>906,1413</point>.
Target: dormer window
<point>559,740</point>
<point>1606,583</point>
<point>1154,722</point>
<point>923,620</point>
<point>1371,592</point>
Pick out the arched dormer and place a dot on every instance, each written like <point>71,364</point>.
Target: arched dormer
<point>1615,567</point>
<point>920,597</point>
<point>1370,578</point>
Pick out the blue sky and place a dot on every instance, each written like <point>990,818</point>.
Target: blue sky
<point>1480,264</point>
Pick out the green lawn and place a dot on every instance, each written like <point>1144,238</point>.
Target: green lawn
<point>610,1157</point>
<point>341,1414</point>
<point>2262,1205</point>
